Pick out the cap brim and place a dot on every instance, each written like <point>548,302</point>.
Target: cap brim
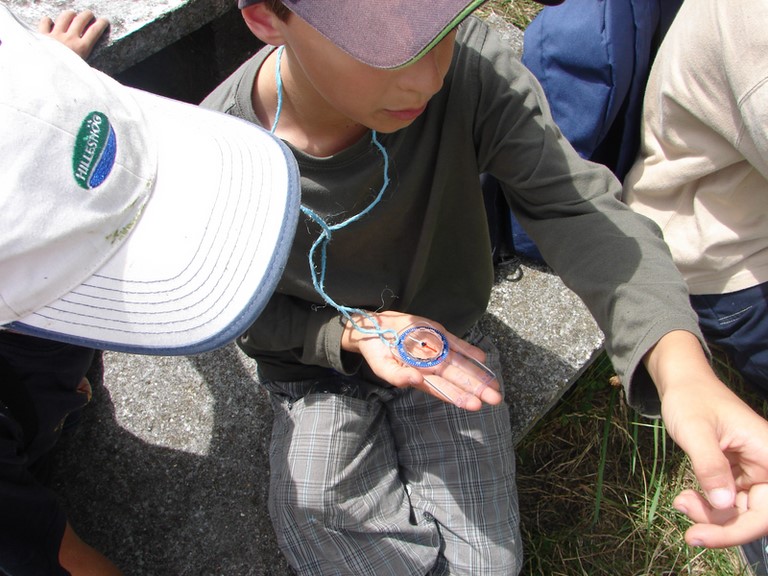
<point>207,252</point>
<point>380,35</point>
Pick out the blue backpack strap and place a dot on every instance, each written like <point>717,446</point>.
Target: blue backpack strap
<point>508,239</point>
<point>566,49</point>
<point>592,58</point>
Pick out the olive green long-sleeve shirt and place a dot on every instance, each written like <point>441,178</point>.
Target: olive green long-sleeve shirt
<point>425,249</point>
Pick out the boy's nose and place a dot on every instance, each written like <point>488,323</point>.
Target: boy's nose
<point>423,76</point>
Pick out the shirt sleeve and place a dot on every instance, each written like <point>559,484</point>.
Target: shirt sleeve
<point>615,260</point>
<point>309,332</point>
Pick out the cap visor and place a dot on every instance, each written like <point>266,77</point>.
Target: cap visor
<point>206,254</point>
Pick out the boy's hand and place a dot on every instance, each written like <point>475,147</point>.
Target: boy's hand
<point>453,384</point>
<point>77,31</point>
<point>726,441</point>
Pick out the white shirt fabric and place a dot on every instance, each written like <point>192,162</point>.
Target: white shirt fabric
<point>702,172</point>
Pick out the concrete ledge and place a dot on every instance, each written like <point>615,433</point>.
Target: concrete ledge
<point>168,471</point>
<point>546,336</point>
<point>181,49</point>
<point>138,29</point>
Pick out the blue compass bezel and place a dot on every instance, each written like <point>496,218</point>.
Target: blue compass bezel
<point>417,362</point>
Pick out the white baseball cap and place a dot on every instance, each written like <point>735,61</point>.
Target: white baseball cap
<point>129,221</point>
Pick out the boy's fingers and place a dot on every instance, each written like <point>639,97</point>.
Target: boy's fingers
<point>95,31</point>
<point>64,19</point>
<point>742,529</point>
<point>713,528</point>
<point>709,463</point>
<point>82,19</point>
<point>86,23</point>
<point>475,384</point>
<point>45,25</point>
<point>452,394</point>
<point>79,31</point>
<point>700,511</point>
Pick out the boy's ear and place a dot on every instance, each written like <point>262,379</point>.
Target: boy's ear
<point>263,23</point>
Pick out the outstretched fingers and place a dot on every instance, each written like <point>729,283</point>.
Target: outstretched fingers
<point>744,522</point>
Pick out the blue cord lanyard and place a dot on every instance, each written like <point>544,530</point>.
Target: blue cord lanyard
<point>321,243</point>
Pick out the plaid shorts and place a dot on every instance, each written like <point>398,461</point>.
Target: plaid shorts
<point>373,480</point>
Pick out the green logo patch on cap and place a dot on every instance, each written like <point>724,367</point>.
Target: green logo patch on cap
<point>95,148</point>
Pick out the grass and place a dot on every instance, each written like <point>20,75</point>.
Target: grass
<point>596,480</point>
<point>596,483</point>
<point>520,13</point>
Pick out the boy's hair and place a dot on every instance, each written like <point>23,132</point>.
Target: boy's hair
<point>278,8</point>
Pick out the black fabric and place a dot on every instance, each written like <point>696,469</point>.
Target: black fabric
<point>38,390</point>
<point>755,555</point>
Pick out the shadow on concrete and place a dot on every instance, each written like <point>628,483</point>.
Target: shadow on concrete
<point>191,67</point>
<point>168,471</point>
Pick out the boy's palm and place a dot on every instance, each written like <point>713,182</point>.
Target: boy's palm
<point>454,385</point>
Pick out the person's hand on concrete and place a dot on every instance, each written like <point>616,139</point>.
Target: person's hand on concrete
<point>78,31</point>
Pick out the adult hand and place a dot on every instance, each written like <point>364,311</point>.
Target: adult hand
<point>77,31</point>
<point>457,382</point>
<point>727,443</point>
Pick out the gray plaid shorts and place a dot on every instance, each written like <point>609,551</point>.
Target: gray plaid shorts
<point>372,480</point>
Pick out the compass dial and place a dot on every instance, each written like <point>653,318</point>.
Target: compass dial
<point>422,346</point>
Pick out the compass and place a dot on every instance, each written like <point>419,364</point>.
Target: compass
<point>422,346</point>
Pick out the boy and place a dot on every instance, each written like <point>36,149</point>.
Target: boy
<point>393,110</point>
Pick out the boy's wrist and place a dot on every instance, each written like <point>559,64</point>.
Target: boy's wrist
<point>678,360</point>
<point>350,337</point>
